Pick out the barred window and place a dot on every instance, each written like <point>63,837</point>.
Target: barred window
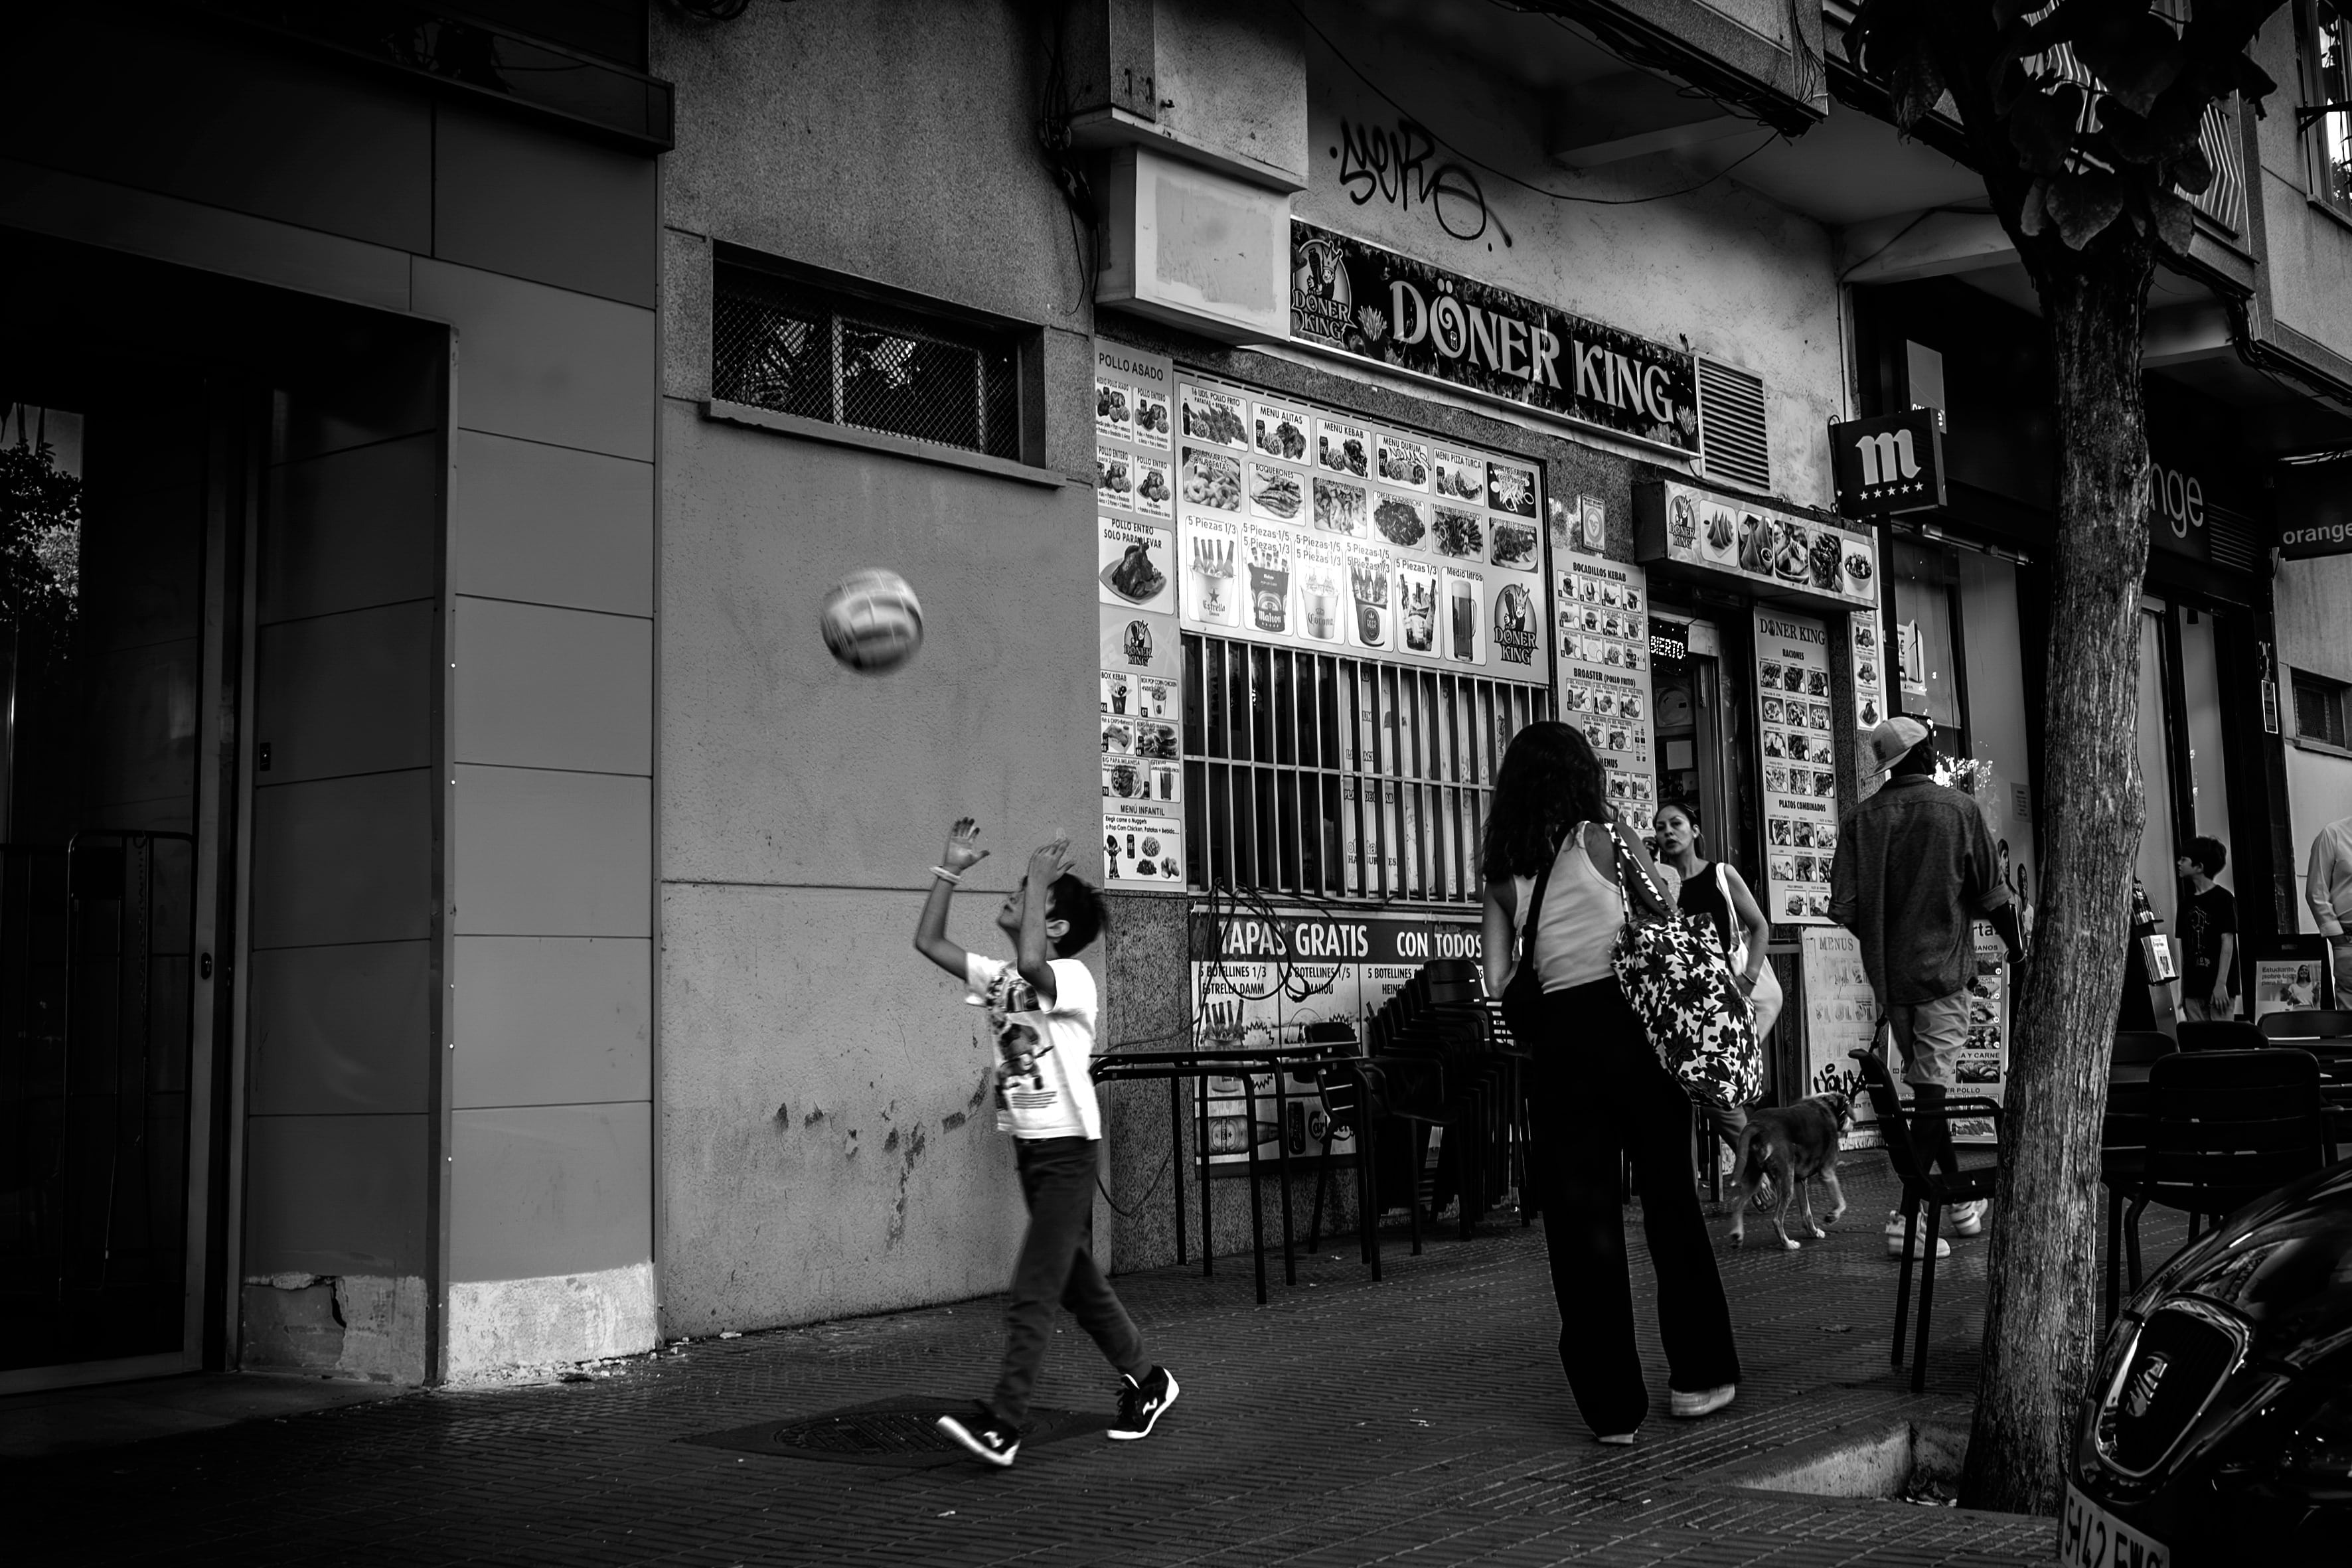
<point>1329,776</point>
<point>791,347</point>
<point>2319,705</point>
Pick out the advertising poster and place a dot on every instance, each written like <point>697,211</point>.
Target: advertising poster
<point>1742,538</point>
<point>2284,985</point>
<point>1287,981</point>
<point>1984,1059</point>
<point>1841,1015</point>
<point>1139,580</point>
<point>1303,530</point>
<point>1604,675</point>
<point>1793,725</point>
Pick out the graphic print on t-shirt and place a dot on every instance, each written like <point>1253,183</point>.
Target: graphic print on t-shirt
<point>1026,1076</point>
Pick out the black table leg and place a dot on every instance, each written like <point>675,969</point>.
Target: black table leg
<point>1201,1130</point>
<point>1282,1164</point>
<point>1176,1158</point>
<point>1257,1213</point>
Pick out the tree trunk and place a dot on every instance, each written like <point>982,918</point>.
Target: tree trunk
<point>2042,1302</point>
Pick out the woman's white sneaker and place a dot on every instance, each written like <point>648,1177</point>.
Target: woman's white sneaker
<point>1707,1402</point>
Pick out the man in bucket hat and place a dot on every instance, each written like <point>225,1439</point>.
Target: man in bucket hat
<point>1916,870</point>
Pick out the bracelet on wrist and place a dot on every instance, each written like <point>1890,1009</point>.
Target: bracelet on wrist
<point>944,875</point>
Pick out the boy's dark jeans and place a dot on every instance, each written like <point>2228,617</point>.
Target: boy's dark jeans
<point>1057,1265</point>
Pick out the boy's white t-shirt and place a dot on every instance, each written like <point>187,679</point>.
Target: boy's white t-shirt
<point>1042,1087</point>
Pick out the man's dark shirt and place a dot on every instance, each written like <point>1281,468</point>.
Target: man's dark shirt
<point>1914,872</point>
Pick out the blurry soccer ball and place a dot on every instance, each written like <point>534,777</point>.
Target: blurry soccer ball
<point>872,622</point>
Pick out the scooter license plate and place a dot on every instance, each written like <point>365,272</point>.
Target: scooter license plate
<point>2091,1537</point>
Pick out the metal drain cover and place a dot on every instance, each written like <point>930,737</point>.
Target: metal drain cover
<point>898,1433</point>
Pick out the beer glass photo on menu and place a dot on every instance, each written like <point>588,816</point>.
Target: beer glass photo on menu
<point>1461,602</point>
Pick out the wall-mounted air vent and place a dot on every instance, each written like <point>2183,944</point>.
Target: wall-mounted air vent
<point>1733,444</point>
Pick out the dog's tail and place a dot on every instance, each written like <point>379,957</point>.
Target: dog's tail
<point>1748,1156</point>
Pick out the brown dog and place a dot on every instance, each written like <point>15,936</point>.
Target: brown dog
<point>1791,1144</point>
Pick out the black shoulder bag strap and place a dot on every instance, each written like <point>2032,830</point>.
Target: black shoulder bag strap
<point>1522,999</point>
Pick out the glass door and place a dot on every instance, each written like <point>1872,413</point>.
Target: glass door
<point>119,530</point>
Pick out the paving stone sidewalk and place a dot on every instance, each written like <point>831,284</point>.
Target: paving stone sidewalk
<point>1423,1420</point>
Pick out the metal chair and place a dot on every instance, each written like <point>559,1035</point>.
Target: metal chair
<point>2221,1035</point>
<point>2230,1126</point>
<point>2123,1136</point>
<point>2310,1023</point>
<point>1921,1185</point>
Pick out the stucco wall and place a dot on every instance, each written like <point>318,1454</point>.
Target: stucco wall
<point>2308,249</point>
<point>1745,281</point>
<point>2314,633</point>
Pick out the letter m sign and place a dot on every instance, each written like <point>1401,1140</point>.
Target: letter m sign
<point>1888,464</point>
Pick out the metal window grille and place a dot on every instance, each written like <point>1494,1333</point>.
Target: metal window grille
<point>793,347</point>
<point>1732,440</point>
<point>2319,709</point>
<point>1332,777</point>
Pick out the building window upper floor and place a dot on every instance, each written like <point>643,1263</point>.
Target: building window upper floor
<point>2323,40</point>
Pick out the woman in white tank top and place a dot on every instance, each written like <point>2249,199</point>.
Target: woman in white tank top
<point>1598,1094</point>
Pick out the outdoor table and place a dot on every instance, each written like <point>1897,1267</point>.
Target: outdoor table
<point>1203,1065</point>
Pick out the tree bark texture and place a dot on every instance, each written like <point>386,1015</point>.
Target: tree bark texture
<point>2041,1317</point>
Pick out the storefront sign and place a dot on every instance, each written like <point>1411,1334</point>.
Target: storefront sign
<point>1891,464</point>
<point>1604,674</point>
<point>1284,980</point>
<point>1776,557</point>
<point>1136,587</point>
<point>1793,720</point>
<point>2176,511</point>
<point>1298,527</point>
<point>1984,1053</point>
<point>1352,297</point>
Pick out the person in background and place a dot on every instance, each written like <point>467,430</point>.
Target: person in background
<point>2328,889</point>
<point>2208,935</point>
<point>1599,1094</point>
<point>1712,890</point>
<point>1916,870</point>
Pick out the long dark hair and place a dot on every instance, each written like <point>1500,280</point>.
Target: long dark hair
<point>1549,782</point>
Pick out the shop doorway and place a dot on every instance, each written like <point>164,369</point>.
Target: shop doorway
<point>119,568</point>
<point>1696,737</point>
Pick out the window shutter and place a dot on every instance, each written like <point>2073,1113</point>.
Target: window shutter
<point>1733,444</point>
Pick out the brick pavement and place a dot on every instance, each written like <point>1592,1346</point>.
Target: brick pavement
<point>1423,1420</point>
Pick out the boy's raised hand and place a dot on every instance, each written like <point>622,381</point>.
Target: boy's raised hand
<point>1050,863</point>
<point>964,845</point>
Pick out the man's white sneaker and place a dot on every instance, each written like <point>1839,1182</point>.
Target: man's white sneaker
<point>1895,1239</point>
<point>1967,1219</point>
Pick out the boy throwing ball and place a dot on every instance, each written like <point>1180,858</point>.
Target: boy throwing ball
<point>1041,1008</point>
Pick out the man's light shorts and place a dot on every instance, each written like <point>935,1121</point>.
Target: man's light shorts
<point>1930,1034</point>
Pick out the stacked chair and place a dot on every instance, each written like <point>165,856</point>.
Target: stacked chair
<point>1437,1057</point>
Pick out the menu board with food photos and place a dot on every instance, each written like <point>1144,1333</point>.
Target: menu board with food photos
<point>1604,674</point>
<point>1137,586</point>
<point>1795,729</point>
<point>1869,683</point>
<point>1800,558</point>
<point>1306,528</point>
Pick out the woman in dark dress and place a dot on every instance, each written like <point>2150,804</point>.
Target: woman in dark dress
<point>1600,1094</point>
<point>1715,889</point>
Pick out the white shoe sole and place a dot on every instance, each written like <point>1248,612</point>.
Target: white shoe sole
<point>1115,1435</point>
<point>962,1436</point>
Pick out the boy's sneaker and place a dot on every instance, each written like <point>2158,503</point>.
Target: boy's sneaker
<point>1918,1247</point>
<point>1967,1219</point>
<point>981,1432</point>
<point>1140,1403</point>
<point>1706,1401</point>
